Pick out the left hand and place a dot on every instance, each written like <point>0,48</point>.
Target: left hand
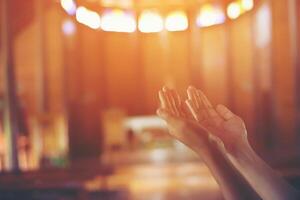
<point>180,122</point>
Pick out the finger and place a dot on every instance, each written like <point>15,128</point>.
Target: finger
<point>186,112</point>
<point>192,108</point>
<point>191,92</point>
<point>177,102</point>
<point>163,100</point>
<point>224,112</point>
<point>175,96</point>
<point>205,100</point>
<point>171,100</point>
<point>207,105</point>
<point>201,108</point>
<point>198,98</point>
<point>166,100</point>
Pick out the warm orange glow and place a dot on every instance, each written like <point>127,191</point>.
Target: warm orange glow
<point>88,18</point>
<point>247,4</point>
<point>69,6</point>
<point>118,21</point>
<point>209,16</point>
<point>234,10</point>
<point>176,21</point>
<point>150,22</point>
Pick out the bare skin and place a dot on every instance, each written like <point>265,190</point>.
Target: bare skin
<point>183,127</point>
<point>227,132</point>
<point>231,130</point>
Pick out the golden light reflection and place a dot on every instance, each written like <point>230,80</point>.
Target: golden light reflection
<point>150,22</point>
<point>247,4</point>
<point>69,6</point>
<point>176,21</point>
<point>149,179</point>
<point>209,16</point>
<point>88,17</point>
<point>118,21</point>
<point>234,10</point>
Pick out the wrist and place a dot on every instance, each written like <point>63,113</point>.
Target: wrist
<point>240,148</point>
<point>202,151</point>
<point>242,156</point>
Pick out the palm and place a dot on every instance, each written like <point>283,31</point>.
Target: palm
<point>198,122</point>
<point>188,132</point>
<point>180,122</point>
<point>219,122</point>
<point>235,127</point>
<point>229,131</point>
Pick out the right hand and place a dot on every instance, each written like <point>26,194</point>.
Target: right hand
<point>219,122</point>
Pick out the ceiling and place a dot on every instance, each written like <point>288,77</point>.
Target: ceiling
<point>145,3</point>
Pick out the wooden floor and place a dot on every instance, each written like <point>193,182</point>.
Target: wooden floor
<point>162,174</point>
<point>144,175</point>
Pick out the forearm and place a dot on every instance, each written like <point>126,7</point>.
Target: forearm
<point>263,179</point>
<point>232,184</point>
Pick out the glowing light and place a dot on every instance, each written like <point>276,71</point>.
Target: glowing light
<point>68,27</point>
<point>150,22</point>
<point>88,18</point>
<point>263,29</point>
<point>138,124</point>
<point>176,21</point>
<point>247,4</point>
<point>118,21</point>
<point>233,10</point>
<point>117,3</point>
<point>210,16</point>
<point>69,6</point>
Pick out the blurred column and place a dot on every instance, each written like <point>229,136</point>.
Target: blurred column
<point>195,54</point>
<point>241,70</point>
<point>283,64</point>
<point>10,100</point>
<point>295,5</point>
<point>85,81</point>
<point>298,59</point>
<point>264,101</point>
<point>42,76</point>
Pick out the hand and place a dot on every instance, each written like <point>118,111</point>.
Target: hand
<point>180,122</point>
<point>219,122</point>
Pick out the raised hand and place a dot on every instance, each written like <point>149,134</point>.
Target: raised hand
<point>230,129</point>
<point>219,121</point>
<point>210,128</point>
<point>180,122</point>
<point>185,128</point>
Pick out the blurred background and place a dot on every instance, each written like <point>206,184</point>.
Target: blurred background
<point>79,82</point>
